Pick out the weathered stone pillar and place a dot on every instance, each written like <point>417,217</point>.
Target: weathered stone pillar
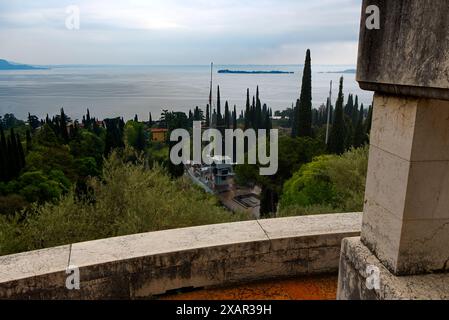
<point>406,215</point>
<point>405,228</point>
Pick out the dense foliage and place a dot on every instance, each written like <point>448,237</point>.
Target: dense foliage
<point>330,183</point>
<point>128,199</point>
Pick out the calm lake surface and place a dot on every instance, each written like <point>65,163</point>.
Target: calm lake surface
<point>110,91</point>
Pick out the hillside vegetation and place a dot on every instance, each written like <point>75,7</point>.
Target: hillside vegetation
<point>128,199</point>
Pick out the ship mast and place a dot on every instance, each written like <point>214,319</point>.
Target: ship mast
<point>211,108</point>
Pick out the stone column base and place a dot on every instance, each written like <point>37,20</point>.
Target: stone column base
<point>357,261</point>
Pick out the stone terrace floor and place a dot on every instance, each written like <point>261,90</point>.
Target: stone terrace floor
<point>305,288</point>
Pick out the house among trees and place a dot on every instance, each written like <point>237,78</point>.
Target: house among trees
<point>159,134</point>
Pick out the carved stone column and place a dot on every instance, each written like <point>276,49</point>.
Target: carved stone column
<point>405,228</point>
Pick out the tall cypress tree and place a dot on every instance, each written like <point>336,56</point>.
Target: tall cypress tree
<point>337,137</point>
<point>219,117</point>
<point>355,112</point>
<point>63,126</point>
<point>305,100</point>
<point>349,105</point>
<point>253,113</point>
<point>247,111</point>
<point>140,140</point>
<point>208,116</point>
<point>227,116</point>
<point>258,115</point>
<point>234,118</point>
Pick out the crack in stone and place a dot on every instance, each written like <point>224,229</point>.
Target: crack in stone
<point>70,255</point>
<point>434,235</point>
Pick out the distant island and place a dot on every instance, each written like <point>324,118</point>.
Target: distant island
<point>5,65</point>
<point>254,72</point>
<point>348,71</point>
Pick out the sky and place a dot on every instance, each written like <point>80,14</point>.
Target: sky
<point>180,32</point>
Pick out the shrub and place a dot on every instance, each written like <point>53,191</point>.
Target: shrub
<point>336,183</point>
<point>129,199</point>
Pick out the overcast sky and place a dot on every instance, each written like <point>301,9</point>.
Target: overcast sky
<point>180,31</point>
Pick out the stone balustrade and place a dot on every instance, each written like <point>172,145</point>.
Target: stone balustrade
<point>144,265</point>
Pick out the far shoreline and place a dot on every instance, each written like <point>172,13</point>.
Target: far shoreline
<point>226,71</point>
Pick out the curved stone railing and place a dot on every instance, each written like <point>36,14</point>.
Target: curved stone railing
<point>144,265</point>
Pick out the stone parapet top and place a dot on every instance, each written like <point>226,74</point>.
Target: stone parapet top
<point>176,247</point>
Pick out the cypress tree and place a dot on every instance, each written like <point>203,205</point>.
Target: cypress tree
<point>355,112</point>
<point>114,135</point>
<point>305,101</point>
<point>121,127</point>
<point>208,116</point>
<point>234,127</point>
<point>63,126</point>
<point>234,118</point>
<point>219,117</point>
<point>214,119</point>
<point>337,137</point>
<point>264,117</point>
<point>227,118</point>
<point>267,124</point>
<point>349,105</point>
<point>247,111</point>
<point>258,115</point>
<point>140,140</point>
<point>150,122</point>
<point>253,113</point>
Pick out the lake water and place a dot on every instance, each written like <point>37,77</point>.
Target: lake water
<point>110,91</point>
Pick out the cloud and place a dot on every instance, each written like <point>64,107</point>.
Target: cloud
<point>179,31</point>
